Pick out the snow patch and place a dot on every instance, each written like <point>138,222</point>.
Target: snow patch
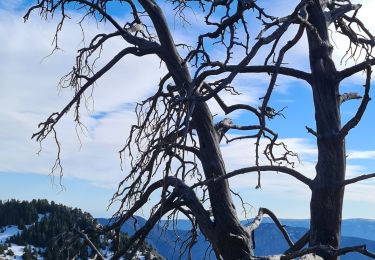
<point>18,252</point>
<point>7,232</point>
<point>311,257</point>
<point>43,216</point>
<point>274,257</point>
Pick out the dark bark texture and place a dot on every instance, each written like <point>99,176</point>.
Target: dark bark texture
<point>327,193</point>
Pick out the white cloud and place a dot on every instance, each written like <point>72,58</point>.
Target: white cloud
<point>28,95</point>
<point>361,155</point>
<point>359,192</point>
<point>242,154</point>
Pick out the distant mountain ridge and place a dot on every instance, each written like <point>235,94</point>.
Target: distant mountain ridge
<point>269,240</point>
<point>356,227</point>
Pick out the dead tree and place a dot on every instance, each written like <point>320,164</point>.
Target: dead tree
<point>176,136</point>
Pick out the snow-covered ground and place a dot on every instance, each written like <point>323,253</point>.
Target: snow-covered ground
<point>8,231</point>
<point>18,252</point>
<point>16,249</point>
<point>42,216</point>
<point>5,233</point>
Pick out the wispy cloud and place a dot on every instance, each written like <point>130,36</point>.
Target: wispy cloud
<point>28,95</point>
<point>361,155</point>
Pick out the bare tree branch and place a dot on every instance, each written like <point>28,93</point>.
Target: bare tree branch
<point>329,251</point>
<point>349,96</point>
<point>50,123</point>
<point>345,73</point>
<point>361,110</point>
<point>298,245</point>
<point>269,168</point>
<point>292,72</point>
<point>90,243</point>
<point>175,135</point>
<point>141,234</point>
<point>359,178</point>
<point>258,220</point>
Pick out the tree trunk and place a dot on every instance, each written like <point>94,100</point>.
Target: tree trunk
<point>232,241</point>
<point>327,193</point>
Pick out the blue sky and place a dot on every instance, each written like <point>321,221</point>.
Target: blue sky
<point>28,94</point>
